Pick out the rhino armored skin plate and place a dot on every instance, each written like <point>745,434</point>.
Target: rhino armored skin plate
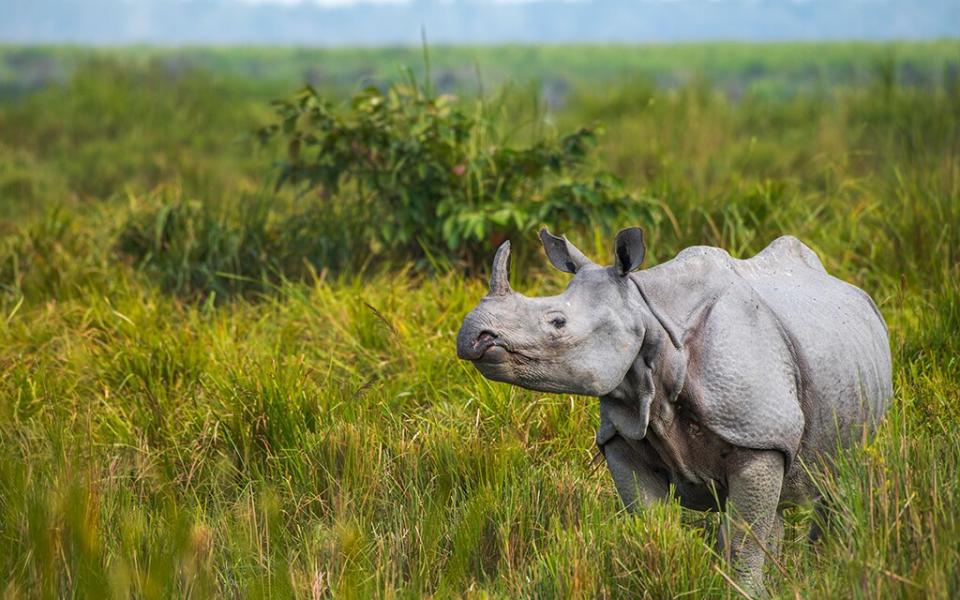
<point>725,379</point>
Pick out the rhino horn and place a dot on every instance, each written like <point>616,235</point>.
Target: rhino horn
<point>500,277</point>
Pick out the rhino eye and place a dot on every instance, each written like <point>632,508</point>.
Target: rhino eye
<point>558,322</point>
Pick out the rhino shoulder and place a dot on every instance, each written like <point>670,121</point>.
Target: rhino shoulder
<point>704,254</point>
<point>784,251</point>
<point>742,373</point>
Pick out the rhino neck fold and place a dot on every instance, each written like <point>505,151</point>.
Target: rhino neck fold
<point>665,359</point>
<point>651,386</point>
<point>662,319</point>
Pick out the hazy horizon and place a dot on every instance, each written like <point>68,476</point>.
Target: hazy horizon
<point>337,23</point>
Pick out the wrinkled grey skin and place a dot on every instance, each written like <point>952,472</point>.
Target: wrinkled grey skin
<point>725,379</point>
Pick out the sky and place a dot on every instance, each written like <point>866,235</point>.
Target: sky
<point>327,23</point>
<point>336,3</point>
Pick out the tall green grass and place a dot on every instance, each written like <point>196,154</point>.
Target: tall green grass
<point>192,404</point>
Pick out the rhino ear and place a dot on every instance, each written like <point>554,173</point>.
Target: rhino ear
<point>562,254</point>
<point>629,250</point>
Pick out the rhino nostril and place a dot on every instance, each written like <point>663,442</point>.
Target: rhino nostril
<point>486,338</point>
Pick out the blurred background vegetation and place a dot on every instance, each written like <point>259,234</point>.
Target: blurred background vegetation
<point>227,322</point>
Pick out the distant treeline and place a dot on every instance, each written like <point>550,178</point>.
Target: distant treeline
<point>768,69</point>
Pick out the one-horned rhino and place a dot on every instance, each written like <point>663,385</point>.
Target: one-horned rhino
<point>724,379</point>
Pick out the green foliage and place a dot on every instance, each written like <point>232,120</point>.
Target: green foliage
<point>315,436</point>
<point>436,177</point>
<point>190,247</point>
<point>51,257</point>
<point>201,250</point>
<point>110,127</point>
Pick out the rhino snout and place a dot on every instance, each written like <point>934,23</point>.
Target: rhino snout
<point>473,342</point>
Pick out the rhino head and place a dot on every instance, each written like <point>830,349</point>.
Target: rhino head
<point>583,341</point>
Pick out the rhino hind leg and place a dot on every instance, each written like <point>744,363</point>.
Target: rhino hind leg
<point>753,524</point>
<point>638,484</point>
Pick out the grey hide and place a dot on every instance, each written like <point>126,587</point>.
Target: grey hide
<point>724,379</point>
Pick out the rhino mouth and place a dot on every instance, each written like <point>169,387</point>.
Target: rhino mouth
<point>493,353</point>
<point>496,352</point>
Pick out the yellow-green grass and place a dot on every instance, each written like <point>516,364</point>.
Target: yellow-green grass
<point>272,428</point>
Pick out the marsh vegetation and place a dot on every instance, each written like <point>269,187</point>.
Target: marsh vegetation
<point>211,386</point>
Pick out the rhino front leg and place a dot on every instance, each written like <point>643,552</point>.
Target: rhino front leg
<point>753,523</point>
<point>638,484</point>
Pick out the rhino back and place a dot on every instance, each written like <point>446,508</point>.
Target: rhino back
<point>781,354</point>
<point>838,336</point>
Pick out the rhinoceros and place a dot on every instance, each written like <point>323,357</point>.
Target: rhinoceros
<point>721,381</point>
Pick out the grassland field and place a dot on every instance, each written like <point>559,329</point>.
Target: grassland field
<point>222,413</point>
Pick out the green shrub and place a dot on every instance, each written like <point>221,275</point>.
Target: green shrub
<point>429,176</point>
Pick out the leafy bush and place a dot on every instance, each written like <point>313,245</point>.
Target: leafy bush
<point>430,176</point>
